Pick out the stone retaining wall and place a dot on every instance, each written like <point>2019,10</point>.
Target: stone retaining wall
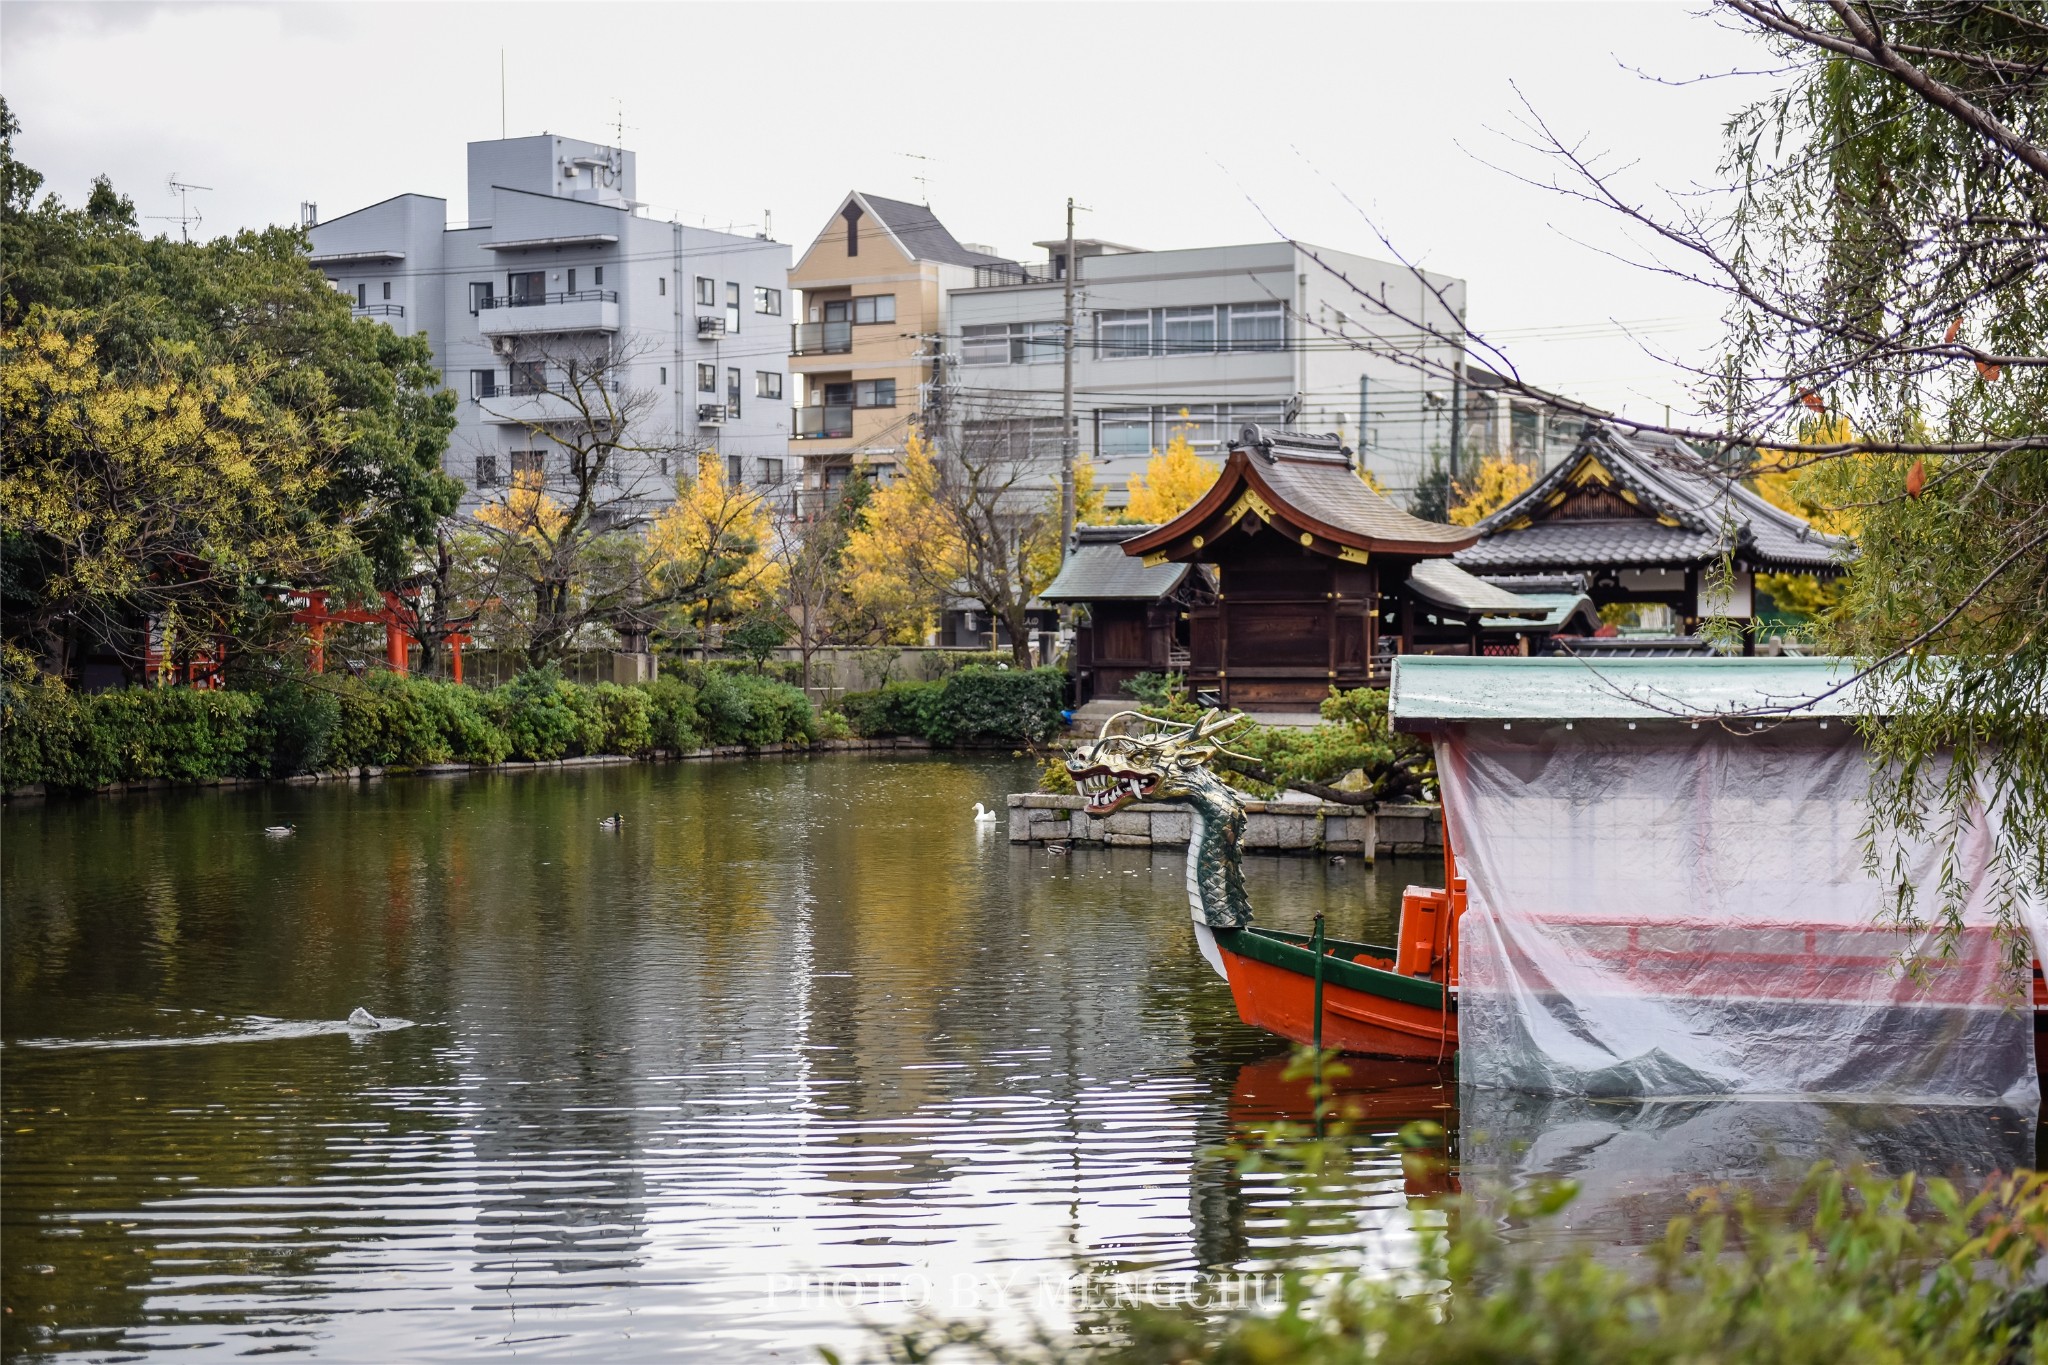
<point>1271,826</point>
<point>34,790</point>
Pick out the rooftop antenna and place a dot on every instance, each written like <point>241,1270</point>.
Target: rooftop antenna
<point>501,95</point>
<point>923,186</point>
<point>186,216</point>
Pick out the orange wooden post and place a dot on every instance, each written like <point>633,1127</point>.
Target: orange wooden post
<point>455,658</point>
<point>396,641</point>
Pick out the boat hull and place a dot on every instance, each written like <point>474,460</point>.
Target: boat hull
<point>1366,1010</point>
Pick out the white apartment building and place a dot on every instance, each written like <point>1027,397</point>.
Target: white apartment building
<point>1207,339</point>
<point>558,260</point>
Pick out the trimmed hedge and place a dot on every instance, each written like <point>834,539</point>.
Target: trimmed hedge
<point>65,739</point>
<point>977,705</point>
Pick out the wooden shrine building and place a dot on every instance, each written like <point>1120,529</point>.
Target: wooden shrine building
<point>1647,519</point>
<point>1308,580</point>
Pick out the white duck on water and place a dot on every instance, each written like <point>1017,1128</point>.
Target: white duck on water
<point>982,815</point>
<point>280,831</point>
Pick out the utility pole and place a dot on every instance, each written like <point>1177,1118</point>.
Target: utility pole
<point>1067,269</point>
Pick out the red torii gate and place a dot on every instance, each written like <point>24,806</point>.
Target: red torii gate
<point>313,613</point>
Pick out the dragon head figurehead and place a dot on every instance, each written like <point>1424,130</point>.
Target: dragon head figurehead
<point>1169,761</point>
<point>1166,762</point>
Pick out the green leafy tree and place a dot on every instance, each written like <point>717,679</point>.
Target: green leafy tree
<point>352,417</point>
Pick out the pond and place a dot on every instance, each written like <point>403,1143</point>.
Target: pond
<point>797,1050</point>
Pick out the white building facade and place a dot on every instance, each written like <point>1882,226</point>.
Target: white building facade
<point>1207,339</point>
<point>556,261</point>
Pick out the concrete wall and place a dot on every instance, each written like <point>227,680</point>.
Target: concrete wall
<point>1270,826</point>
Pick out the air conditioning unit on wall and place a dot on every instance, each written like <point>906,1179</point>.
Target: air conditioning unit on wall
<point>710,327</point>
<point>711,414</point>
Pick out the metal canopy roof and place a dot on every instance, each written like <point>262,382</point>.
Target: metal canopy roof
<point>1433,691</point>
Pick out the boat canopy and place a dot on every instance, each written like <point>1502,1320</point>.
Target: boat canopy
<point>1433,691</point>
<point>1682,909</point>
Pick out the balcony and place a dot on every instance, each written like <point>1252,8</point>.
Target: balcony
<point>711,414</point>
<point>820,338</point>
<point>824,422</point>
<point>584,310</point>
<point>377,310</point>
<point>538,407</point>
<point>709,328</point>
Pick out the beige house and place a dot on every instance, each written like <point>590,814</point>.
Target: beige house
<point>874,289</point>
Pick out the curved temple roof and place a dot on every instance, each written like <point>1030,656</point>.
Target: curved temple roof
<point>1669,509</point>
<point>1309,482</point>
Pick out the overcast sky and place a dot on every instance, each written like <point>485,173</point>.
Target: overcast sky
<point>1176,124</point>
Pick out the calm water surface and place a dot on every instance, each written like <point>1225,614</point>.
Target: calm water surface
<point>799,1049</point>
<point>801,1046</point>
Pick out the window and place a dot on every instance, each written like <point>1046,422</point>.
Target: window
<point>875,308</point>
<point>707,379</point>
<point>362,295</point>
<point>707,291</point>
<point>387,289</point>
<point>771,471</point>
<point>732,308</point>
<point>838,395</point>
<point>661,284</point>
<point>735,470</point>
<point>479,295</point>
<point>767,384</point>
<point>486,471</point>
<point>732,395</point>
<point>1119,334</point>
<point>768,301</point>
<point>1010,343</point>
<point>1257,327</point>
<point>533,463</point>
<point>529,376</point>
<point>1126,433</point>
<point>483,383</point>
<point>526,287</point>
<point>987,344</point>
<point>664,376</point>
<point>572,279</point>
<point>875,393</point>
<point>1187,331</point>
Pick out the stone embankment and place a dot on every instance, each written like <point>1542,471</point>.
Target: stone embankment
<point>34,790</point>
<point>1271,826</point>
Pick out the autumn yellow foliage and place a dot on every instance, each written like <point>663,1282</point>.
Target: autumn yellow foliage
<point>718,538</point>
<point>1499,481</point>
<point>902,548</point>
<point>1785,479</point>
<point>142,487</point>
<point>1174,480</point>
<point>526,511</point>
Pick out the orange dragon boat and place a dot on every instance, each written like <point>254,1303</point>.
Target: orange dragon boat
<point>1653,925</point>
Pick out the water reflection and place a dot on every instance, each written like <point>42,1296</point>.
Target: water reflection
<point>1637,1163</point>
<point>799,1045</point>
<point>798,1038</point>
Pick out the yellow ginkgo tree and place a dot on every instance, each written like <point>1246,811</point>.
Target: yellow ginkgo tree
<point>1174,480</point>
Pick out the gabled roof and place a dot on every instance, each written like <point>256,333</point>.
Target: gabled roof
<point>920,233</point>
<point>1675,514</point>
<point>1098,570</point>
<point>1308,482</point>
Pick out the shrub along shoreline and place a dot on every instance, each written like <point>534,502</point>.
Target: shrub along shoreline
<point>57,740</point>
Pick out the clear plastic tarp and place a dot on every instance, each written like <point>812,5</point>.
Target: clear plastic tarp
<point>1679,912</point>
